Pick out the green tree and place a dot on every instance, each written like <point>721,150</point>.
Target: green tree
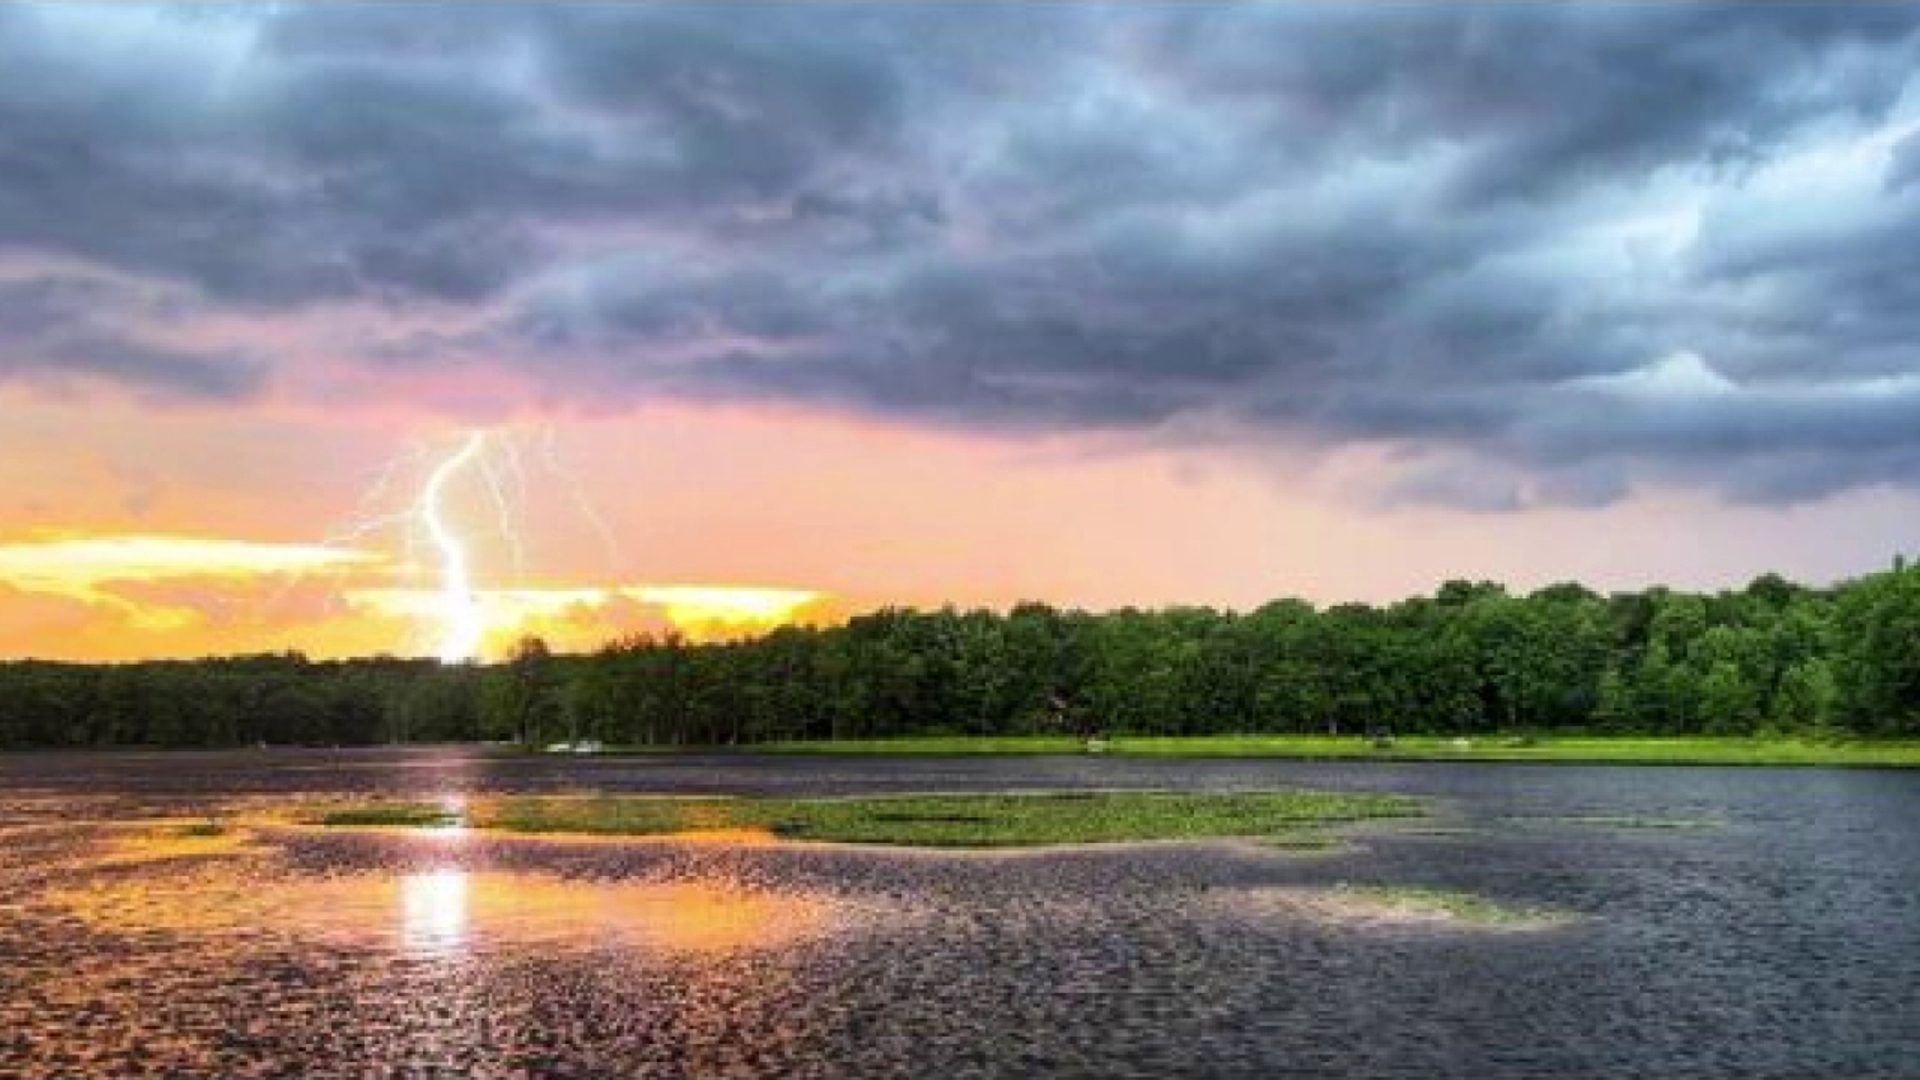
<point>1728,704</point>
<point>522,702</point>
<point>1879,623</point>
<point>1807,699</point>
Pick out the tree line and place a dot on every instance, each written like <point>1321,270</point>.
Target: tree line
<point>1472,658</point>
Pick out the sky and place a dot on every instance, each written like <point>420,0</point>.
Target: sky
<point>756,314</point>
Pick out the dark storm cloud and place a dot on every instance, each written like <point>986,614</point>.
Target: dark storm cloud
<point>62,328</point>
<point>276,164</point>
<point>1482,232</point>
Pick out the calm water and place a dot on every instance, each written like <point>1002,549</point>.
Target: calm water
<point>1774,932</point>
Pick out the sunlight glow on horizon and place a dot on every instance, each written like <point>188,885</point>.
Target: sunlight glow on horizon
<point>171,588</point>
<point>698,612</point>
<point>71,560</point>
<point>86,568</point>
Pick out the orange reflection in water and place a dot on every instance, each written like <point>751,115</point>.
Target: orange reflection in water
<point>304,962</point>
<point>449,911</point>
<point>446,910</point>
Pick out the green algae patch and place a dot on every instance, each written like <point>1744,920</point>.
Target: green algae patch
<point>1454,905</point>
<point>940,821</point>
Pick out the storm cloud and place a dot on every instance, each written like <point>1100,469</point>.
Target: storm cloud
<point>1545,254</point>
<point>58,328</point>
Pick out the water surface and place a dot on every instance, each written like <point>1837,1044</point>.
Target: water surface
<point>1728,922</point>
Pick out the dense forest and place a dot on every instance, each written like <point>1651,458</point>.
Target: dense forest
<point>1772,657</point>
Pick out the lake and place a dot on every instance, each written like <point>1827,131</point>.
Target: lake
<point>1719,923</point>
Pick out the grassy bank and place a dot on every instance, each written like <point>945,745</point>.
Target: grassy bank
<point>1702,750</point>
<point>916,820</point>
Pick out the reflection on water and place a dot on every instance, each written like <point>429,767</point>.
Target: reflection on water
<point>433,910</point>
<point>155,954</point>
<point>446,911</point>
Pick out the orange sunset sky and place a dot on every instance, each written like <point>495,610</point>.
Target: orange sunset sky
<point>777,315</point>
<point>218,532</point>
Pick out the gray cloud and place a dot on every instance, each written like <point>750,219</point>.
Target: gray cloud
<point>1481,232</point>
<point>63,327</point>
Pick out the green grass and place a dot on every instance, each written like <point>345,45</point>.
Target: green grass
<point>933,744</point>
<point>1692,750</point>
<point>1464,906</point>
<point>1319,843</point>
<point>916,820</point>
<point>400,815</point>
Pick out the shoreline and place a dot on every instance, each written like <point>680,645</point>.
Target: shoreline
<point>1626,750</point>
<point>1702,751</point>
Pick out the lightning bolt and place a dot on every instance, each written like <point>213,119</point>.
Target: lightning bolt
<point>461,626</point>
<point>456,614</point>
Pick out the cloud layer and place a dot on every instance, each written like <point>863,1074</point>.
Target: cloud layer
<point>1540,254</point>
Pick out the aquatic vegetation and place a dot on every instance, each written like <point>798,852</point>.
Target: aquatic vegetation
<point>399,815</point>
<point>1357,906</point>
<point>997,820</point>
<point>1454,904</point>
<point>1308,843</point>
<point>164,842</point>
